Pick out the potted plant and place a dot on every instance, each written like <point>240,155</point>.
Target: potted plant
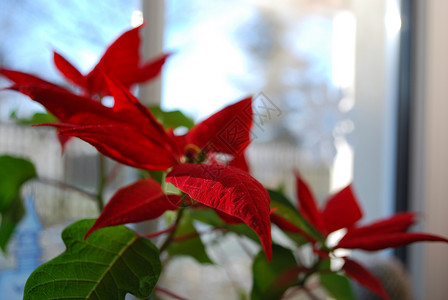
<point>200,176</point>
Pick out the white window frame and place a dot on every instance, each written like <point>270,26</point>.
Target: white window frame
<point>429,161</point>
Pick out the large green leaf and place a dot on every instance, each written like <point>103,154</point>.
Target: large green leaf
<point>112,261</point>
<point>187,241</point>
<point>271,280</point>
<point>171,119</point>
<point>10,219</point>
<point>337,285</point>
<point>14,172</point>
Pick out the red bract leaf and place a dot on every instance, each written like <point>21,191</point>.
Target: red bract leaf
<point>227,131</point>
<point>341,210</point>
<point>91,120</point>
<point>132,111</point>
<point>120,61</point>
<point>67,107</point>
<point>124,144</point>
<point>151,69</point>
<point>239,161</point>
<point>287,226</point>
<point>397,223</point>
<point>25,79</point>
<point>140,201</point>
<point>231,220</point>
<point>69,71</point>
<point>230,190</point>
<point>307,204</point>
<point>364,277</point>
<point>284,224</point>
<point>123,53</point>
<point>382,241</point>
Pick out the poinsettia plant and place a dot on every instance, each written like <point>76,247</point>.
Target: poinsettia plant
<point>198,176</point>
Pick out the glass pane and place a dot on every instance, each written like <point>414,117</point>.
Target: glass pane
<point>323,76</point>
<point>299,56</point>
<point>30,31</point>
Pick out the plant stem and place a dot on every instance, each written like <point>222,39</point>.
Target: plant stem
<point>310,272</point>
<point>156,234</point>
<point>63,185</point>
<point>170,237</point>
<point>171,294</point>
<point>310,294</point>
<point>196,234</point>
<point>102,180</point>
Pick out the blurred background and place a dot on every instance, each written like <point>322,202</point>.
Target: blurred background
<point>344,91</point>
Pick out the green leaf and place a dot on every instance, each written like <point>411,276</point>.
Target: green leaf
<point>271,280</point>
<point>113,261</point>
<point>286,210</point>
<point>209,216</point>
<point>279,197</point>
<point>37,118</point>
<point>337,285</point>
<point>190,243</point>
<point>10,219</point>
<point>14,172</point>
<point>171,119</point>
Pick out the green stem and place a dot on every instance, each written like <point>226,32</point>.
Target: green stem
<point>170,237</point>
<point>310,294</point>
<point>66,186</point>
<point>311,271</point>
<point>102,180</point>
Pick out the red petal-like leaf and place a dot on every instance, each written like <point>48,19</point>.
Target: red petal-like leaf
<point>25,79</point>
<point>119,61</point>
<point>230,190</point>
<point>124,144</point>
<point>227,131</point>
<point>69,71</point>
<point>364,277</point>
<point>66,106</point>
<point>132,110</point>
<point>140,201</point>
<point>399,222</point>
<point>287,226</point>
<point>151,69</point>
<point>341,210</point>
<point>231,220</point>
<point>307,204</point>
<point>240,161</point>
<point>390,240</point>
<point>284,224</point>
<point>127,133</point>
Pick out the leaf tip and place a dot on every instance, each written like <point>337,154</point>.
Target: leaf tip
<point>91,230</point>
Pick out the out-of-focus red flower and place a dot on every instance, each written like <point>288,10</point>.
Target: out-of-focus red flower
<point>343,211</point>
